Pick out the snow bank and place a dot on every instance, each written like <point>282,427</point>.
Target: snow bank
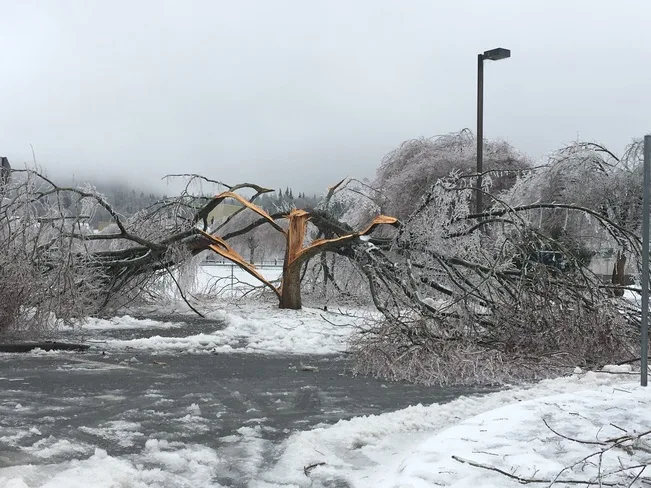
<point>414,447</point>
<point>516,440</point>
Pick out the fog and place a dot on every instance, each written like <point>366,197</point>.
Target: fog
<point>301,94</point>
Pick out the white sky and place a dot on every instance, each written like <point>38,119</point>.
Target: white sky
<point>302,93</point>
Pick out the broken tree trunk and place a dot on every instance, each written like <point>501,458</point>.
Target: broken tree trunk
<point>290,293</point>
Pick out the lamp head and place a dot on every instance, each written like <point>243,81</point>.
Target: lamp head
<point>497,54</point>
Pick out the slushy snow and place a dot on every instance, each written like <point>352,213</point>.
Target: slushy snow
<point>526,432</point>
<point>250,328</point>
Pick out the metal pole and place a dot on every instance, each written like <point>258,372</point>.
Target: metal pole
<point>480,131</point>
<point>644,355</point>
<point>232,281</point>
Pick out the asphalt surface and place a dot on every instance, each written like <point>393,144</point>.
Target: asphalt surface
<point>118,401</point>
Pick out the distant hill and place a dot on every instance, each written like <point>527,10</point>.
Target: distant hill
<point>123,197</point>
<point>128,200</point>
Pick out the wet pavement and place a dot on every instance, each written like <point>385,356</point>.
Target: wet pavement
<point>118,401</point>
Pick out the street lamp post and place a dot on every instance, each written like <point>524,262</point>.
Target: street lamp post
<point>644,326</point>
<point>493,55</point>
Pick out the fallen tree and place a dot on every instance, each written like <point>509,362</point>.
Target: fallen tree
<point>490,297</point>
<point>55,266</point>
<point>465,297</point>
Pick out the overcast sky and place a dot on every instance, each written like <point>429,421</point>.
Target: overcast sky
<point>302,93</point>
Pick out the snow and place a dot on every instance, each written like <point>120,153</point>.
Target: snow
<point>122,433</point>
<point>515,439</point>
<point>633,297</point>
<point>419,446</point>
<point>251,326</point>
<point>125,322</point>
<point>161,464</point>
<point>414,447</point>
<point>258,327</point>
<point>51,448</point>
<point>621,369</point>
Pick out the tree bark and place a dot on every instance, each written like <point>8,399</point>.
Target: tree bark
<point>619,273</point>
<point>290,296</point>
<point>252,245</point>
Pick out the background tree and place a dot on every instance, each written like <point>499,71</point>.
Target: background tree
<point>588,175</point>
<point>5,170</point>
<point>261,243</point>
<point>407,173</point>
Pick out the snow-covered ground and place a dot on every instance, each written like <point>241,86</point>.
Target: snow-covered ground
<point>437,445</point>
<point>252,327</point>
<point>126,322</point>
<point>553,430</point>
<point>561,429</point>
